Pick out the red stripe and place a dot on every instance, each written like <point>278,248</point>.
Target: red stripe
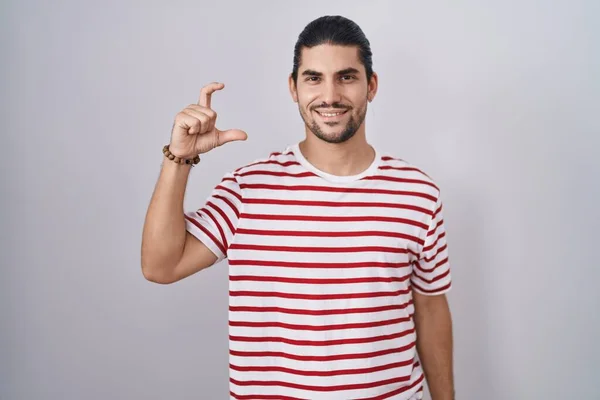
<point>329,234</point>
<point>332,219</point>
<point>232,192</point>
<point>437,253</point>
<point>276,162</point>
<point>334,296</point>
<point>433,245</point>
<point>335,388</point>
<point>357,249</point>
<point>394,392</point>
<point>430,270</point>
<point>405,168</point>
<point>338,372</point>
<point>316,281</point>
<point>262,397</point>
<point>321,312</point>
<point>319,328</point>
<point>314,188</point>
<point>217,224</point>
<point>308,203</point>
<point>274,173</point>
<point>390,158</point>
<point>437,278</point>
<point>431,290</point>
<point>439,210</point>
<point>271,339</point>
<point>207,233</point>
<point>230,204</point>
<point>387,167</point>
<point>401,180</point>
<point>385,396</point>
<point>312,265</point>
<point>434,230</point>
<point>223,215</point>
<point>335,357</point>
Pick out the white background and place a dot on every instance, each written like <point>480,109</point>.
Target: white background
<point>498,101</point>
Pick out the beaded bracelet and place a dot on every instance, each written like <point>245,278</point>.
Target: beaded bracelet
<point>179,160</point>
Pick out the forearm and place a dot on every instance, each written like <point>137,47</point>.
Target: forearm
<point>164,232</point>
<point>434,344</point>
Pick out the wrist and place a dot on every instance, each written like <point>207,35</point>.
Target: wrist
<point>179,160</point>
<point>175,171</point>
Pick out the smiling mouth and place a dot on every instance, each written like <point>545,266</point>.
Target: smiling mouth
<point>328,115</point>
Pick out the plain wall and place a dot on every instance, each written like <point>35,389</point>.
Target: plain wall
<point>497,101</point>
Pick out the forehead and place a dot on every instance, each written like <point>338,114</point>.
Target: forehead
<point>328,58</point>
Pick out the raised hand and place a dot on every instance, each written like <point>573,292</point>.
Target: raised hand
<point>194,130</point>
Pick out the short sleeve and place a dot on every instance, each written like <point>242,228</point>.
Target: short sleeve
<point>431,271</point>
<point>215,223</point>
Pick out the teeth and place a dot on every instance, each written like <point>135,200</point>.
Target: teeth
<point>330,114</point>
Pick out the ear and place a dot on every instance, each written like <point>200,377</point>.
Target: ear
<point>372,86</point>
<point>293,89</point>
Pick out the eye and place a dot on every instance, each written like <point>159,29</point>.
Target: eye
<point>312,79</point>
<point>347,77</point>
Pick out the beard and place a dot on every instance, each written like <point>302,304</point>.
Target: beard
<point>354,122</point>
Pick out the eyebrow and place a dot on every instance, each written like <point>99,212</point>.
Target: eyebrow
<point>346,71</point>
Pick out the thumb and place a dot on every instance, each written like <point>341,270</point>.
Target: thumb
<point>231,135</point>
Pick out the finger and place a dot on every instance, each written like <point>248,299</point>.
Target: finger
<point>206,93</point>
<point>203,120</point>
<point>188,123</point>
<point>230,135</point>
<point>212,115</point>
<point>208,111</point>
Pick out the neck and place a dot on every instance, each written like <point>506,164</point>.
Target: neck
<point>341,159</point>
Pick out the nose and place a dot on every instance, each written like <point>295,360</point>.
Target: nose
<point>331,92</point>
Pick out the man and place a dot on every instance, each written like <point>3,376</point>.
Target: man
<point>338,262</point>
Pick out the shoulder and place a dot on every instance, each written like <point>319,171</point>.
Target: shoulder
<point>402,170</point>
<point>390,162</point>
<point>272,161</point>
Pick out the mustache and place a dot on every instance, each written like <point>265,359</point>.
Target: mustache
<point>332,105</point>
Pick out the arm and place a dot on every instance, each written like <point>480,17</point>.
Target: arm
<point>169,252</point>
<point>434,343</point>
<point>431,280</point>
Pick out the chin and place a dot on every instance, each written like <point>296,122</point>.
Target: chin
<point>329,135</point>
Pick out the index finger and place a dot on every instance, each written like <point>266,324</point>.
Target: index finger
<point>207,91</point>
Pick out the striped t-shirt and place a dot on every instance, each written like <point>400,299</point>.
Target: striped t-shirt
<point>321,269</point>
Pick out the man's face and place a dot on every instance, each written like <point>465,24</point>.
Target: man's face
<point>332,91</point>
